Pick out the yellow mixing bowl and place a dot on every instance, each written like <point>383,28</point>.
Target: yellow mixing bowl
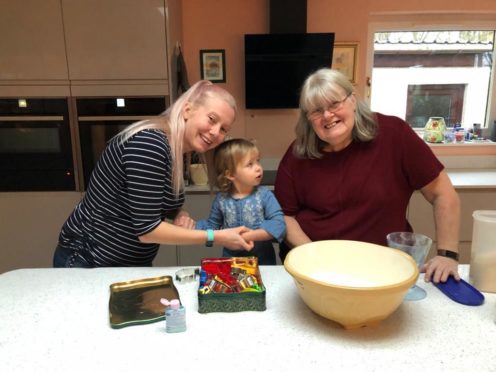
<point>352,283</point>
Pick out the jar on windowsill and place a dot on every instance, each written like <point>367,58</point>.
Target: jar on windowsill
<point>434,129</point>
<point>460,136</point>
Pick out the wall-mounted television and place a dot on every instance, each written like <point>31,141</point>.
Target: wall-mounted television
<point>276,66</point>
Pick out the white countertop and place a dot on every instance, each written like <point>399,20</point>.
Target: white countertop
<point>58,320</point>
<point>472,178</point>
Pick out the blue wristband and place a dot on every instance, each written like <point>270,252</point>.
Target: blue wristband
<point>210,238</point>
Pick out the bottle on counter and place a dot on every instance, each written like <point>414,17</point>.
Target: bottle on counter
<point>493,132</point>
<point>175,316</point>
<point>477,129</point>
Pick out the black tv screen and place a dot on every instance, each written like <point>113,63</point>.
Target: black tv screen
<point>276,65</point>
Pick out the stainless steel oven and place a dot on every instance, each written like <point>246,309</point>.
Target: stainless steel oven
<point>35,145</point>
<point>99,119</point>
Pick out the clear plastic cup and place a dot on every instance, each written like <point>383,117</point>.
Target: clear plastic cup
<point>449,136</point>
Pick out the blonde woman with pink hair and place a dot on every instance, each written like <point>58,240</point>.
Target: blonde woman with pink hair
<point>136,191</point>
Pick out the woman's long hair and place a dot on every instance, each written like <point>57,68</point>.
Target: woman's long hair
<point>321,89</point>
<point>173,124</point>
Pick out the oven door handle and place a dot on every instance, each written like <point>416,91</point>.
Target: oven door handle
<point>115,118</point>
<point>32,118</point>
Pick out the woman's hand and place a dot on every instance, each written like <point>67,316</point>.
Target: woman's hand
<point>184,220</point>
<point>232,238</point>
<point>438,268</point>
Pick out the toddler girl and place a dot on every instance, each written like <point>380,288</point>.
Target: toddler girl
<point>242,202</point>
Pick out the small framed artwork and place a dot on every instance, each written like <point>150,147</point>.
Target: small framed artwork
<point>344,59</point>
<point>213,65</point>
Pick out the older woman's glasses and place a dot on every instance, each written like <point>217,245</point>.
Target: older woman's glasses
<point>318,113</point>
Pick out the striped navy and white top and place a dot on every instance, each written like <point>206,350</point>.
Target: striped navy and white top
<point>130,192</point>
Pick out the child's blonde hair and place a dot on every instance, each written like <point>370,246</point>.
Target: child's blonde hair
<point>227,157</point>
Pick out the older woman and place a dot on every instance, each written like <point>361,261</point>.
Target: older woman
<point>350,174</point>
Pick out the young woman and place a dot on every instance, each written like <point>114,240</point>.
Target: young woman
<point>242,202</point>
<point>137,185</point>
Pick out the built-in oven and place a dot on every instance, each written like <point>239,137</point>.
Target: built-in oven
<point>35,145</point>
<point>99,119</point>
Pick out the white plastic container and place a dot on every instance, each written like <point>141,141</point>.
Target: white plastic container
<point>483,255</point>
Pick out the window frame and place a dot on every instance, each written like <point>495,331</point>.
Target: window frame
<point>435,21</point>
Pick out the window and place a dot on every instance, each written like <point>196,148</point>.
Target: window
<point>426,100</point>
<point>422,73</point>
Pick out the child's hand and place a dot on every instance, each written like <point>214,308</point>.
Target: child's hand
<point>256,235</point>
<point>184,220</point>
<point>232,238</point>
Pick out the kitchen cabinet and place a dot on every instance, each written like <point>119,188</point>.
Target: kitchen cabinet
<point>115,39</point>
<point>32,41</point>
<point>96,47</point>
<point>31,223</point>
<point>420,215</point>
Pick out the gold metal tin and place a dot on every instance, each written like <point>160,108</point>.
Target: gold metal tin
<point>138,301</point>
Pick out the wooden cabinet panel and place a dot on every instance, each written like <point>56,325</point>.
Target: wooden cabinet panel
<point>32,40</point>
<point>115,39</point>
<point>166,256</point>
<point>420,215</point>
<point>472,200</point>
<point>30,228</point>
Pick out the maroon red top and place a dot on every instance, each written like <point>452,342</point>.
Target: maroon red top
<point>359,193</point>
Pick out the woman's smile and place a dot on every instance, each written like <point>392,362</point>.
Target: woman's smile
<point>331,124</point>
<point>205,139</point>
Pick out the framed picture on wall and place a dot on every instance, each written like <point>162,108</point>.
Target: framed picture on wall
<point>213,65</point>
<point>344,59</point>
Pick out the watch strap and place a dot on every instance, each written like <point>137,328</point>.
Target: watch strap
<point>450,254</point>
<point>210,238</point>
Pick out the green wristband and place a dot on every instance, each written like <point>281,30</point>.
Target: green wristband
<point>210,238</point>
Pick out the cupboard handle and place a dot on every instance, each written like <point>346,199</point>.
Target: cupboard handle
<point>114,118</point>
<point>31,118</point>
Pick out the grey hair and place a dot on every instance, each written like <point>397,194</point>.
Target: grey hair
<point>173,124</point>
<point>320,89</point>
